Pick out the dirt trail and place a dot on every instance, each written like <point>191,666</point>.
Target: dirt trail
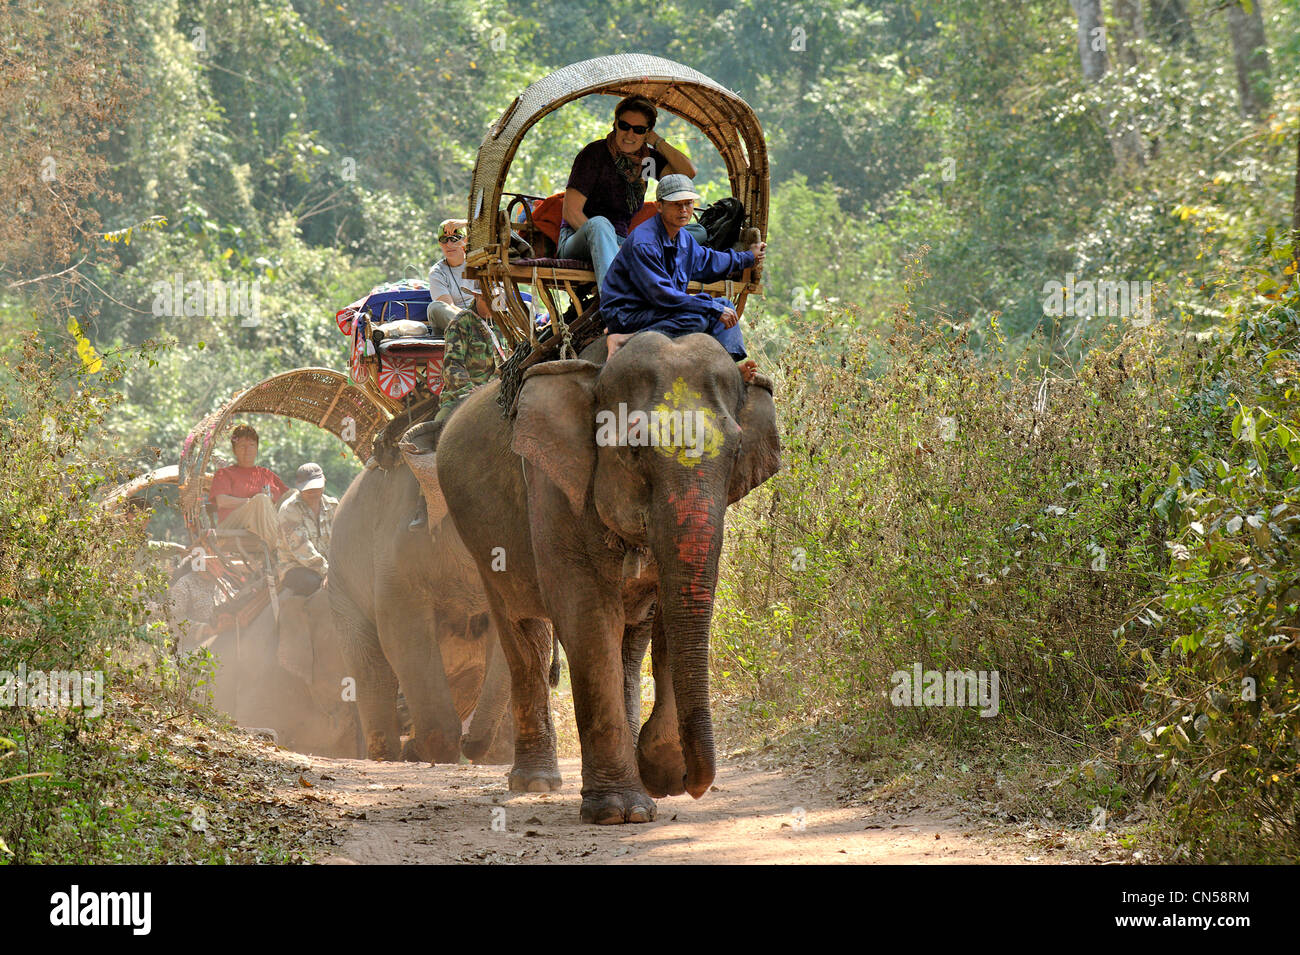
<point>414,813</point>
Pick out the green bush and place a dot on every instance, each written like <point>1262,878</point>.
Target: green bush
<point>1225,698</point>
<point>1014,542</point>
<point>72,597</point>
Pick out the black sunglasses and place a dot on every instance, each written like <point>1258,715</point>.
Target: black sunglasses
<point>450,238</point>
<point>629,128</point>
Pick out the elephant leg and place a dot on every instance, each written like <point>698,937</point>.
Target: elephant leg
<point>636,638</point>
<point>526,646</point>
<point>224,677</point>
<point>591,632</point>
<point>258,695</point>
<point>659,749</point>
<point>493,700</point>
<point>408,635</point>
<point>358,735</point>
<point>502,752</point>
<point>376,684</point>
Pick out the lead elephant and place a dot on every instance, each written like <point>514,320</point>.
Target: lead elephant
<point>410,611</point>
<point>600,508</point>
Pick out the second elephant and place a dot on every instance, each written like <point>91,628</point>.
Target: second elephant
<point>410,611</point>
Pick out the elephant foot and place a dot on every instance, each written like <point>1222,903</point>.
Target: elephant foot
<point>612,809</point>
<point>382,748</point>
<point>534,780</point>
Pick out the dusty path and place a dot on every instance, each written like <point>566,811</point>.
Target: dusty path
<point>414,813</point>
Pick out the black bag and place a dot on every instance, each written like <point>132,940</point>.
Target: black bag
<point>722,221</point>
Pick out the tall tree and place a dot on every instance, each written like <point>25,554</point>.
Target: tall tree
<point>1249,55</point>
<point>58,101</point>
<point>1125,139</point>
<point>1295,217</point>
<point>1129,15</point>
<point>1092,39</point>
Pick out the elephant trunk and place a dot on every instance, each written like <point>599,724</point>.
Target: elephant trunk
<point>687,542</point>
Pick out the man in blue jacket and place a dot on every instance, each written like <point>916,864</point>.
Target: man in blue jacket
<point>645,286</point>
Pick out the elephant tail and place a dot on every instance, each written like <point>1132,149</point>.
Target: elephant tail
<point>555,662</point>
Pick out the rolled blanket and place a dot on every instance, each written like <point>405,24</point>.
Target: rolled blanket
<point>402,328</point>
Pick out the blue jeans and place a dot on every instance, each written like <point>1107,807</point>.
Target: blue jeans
<point>596,242</point>
<point>697,231</point>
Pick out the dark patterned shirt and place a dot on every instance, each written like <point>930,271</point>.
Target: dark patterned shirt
<point>596,177</point>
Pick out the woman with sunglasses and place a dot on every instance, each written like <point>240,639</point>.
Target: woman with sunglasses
<point>607,184</point>
<point>447,278</point>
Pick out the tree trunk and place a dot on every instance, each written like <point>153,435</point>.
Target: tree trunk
<point>1295,199</point>
<point>1129,15</point>
<point>1295,219</point>
<point>1125,140</point>
<point>1092,39</point>
<point>1249,56</point>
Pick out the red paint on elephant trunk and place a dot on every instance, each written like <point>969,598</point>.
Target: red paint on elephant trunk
<point>695,539</point>
<point>690,538</point>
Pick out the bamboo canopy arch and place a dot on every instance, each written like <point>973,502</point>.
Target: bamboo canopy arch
<point>724,118</point>
<point>166,475</point>
<point>320,396</point>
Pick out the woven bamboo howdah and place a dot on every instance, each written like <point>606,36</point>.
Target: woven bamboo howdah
<point>720,114</point>
<point>318,395</point>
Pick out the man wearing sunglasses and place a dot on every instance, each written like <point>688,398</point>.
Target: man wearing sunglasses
<point>607,184</point>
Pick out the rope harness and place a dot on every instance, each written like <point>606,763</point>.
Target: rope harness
<point>565,341</point>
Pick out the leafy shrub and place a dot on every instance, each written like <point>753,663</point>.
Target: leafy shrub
<point>72,596</point>
<point>1226,731</point>
<point>960,512</point>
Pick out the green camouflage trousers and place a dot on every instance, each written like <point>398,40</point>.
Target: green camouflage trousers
<point>469,360</point>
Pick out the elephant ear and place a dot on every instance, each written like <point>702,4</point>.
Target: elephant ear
<point>555,425</point>
<point>760,444</point>
<point>417,447</point>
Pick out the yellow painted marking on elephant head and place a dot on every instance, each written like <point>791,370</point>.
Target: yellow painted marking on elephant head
<point>685,430</point>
